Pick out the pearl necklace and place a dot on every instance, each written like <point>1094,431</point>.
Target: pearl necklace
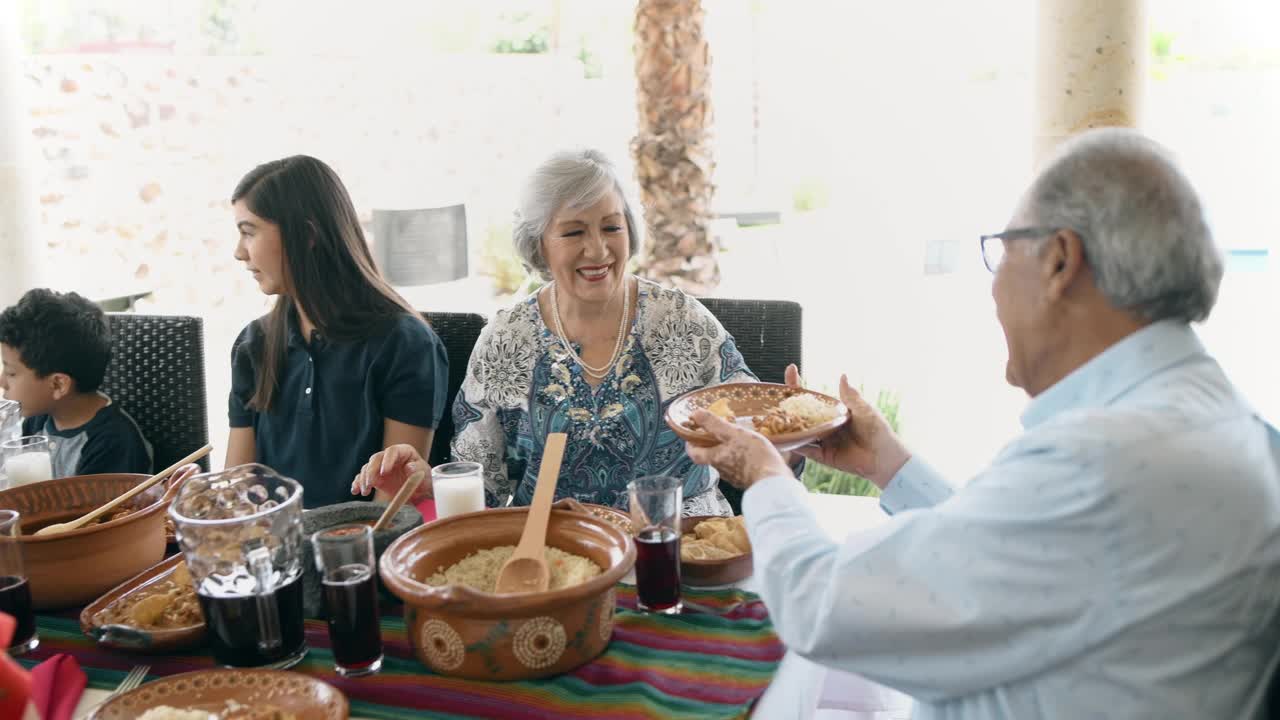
<point>595,372</point>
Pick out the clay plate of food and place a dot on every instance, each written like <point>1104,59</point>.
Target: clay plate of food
<point>789,416</point>
<point>714,551</point>
<point>228,694</point>
<point>156,611</point>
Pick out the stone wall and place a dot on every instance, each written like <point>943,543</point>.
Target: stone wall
<point>135,156</point>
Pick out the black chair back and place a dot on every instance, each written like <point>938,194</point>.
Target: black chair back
<point>458,332</point>
<point>156,374</point>
<point>767,332</point>
<point>769,335</point>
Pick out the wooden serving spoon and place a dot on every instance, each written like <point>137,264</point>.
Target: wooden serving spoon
<point>129,495</point>
<point>526,570</point>
<point>398,501</point>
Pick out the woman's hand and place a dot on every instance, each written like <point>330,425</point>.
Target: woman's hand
<point>865,445</point>
<point>743,457</point>
<point>388,470</point>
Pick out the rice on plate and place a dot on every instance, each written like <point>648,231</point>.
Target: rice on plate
<point>809,408</point>
<point>479,570</point>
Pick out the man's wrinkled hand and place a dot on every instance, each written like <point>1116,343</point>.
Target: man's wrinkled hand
<point>742,457</point>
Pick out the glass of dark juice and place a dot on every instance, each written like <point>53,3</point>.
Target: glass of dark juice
<point>348,574</point>
<point>241,536</point>
<point>655,524</point>
<point>15,592</point>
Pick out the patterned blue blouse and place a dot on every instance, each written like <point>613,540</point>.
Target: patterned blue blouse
<point>522,384</point>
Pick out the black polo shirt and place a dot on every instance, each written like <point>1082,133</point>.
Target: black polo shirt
<point>327,416</point>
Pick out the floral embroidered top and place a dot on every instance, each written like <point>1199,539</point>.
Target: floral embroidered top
<point>522,384</point>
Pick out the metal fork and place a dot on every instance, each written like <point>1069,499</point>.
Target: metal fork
<point>131,682</point>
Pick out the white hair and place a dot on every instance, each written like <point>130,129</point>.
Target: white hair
<point>1144,232</point>
<point>568,179</point>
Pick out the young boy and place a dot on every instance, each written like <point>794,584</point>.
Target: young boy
<point>55,348</point>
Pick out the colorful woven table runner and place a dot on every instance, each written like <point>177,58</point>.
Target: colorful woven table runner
<point>695,665</point>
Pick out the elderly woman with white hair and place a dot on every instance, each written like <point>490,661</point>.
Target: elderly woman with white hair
<point>1118,559</point>
<point>597,353</point>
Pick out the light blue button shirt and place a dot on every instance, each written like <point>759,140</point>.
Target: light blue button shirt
<point>1120,559</point>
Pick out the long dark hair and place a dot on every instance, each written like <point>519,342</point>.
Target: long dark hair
<point>328,270</point>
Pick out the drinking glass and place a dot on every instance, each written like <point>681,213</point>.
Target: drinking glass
<point>10,420</point>
<point>26,460</point>
<point>241,535</point>
<point>655,522</point>
<point>458,488</point>
<point>15,592</point>
<point>348,574</point>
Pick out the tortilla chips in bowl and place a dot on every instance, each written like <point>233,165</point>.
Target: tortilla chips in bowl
<point>714,551</point>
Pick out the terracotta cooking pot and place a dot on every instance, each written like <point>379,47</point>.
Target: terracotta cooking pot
<point>73,568</point>
<point>464,633</point>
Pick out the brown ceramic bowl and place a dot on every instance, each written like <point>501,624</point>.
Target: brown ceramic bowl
<point>464,633</point>
<point>712,573</point>
<point>73,568</point>
<point>747,401</point>
<point>133,639</point>
<point>615,516</point>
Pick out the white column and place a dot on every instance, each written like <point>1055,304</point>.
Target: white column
<point>1091,65</point>
<point>18,248</point>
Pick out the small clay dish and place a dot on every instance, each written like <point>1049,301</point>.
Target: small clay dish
<point>712,573</point>
<point>133,639</point>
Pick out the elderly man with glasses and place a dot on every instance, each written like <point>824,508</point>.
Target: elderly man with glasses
<point>1120,558</point>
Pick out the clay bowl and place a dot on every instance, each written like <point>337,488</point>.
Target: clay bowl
<point>711,573</point>
<point>615,516</point>
<point>75,567</point>
<point>464,633</point>
<point>160,640</point>
<point>748,400</point>
<point>347,513</point>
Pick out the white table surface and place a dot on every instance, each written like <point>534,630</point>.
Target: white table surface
<point>795,689</point>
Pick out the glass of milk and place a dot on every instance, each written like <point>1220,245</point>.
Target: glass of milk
<point>26,460</point>
<point>458,487</point>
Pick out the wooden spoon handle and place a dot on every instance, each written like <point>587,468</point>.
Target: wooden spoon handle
<point>535,527</point>
<point>139,488</point>
<point>402,495</point>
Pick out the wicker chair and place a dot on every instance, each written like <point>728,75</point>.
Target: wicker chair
<point>156,374</point>
<point>768,334</point>
<point>459,332</point>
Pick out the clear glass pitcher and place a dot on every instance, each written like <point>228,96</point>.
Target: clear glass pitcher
<point>241,534</point>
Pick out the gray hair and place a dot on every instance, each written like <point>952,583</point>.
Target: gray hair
<point>1144,232</point>
<point>568,179</point>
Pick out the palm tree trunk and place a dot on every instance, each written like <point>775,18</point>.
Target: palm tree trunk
<point>672,147</point>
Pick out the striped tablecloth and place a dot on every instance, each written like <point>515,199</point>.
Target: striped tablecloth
<point>695,665</point>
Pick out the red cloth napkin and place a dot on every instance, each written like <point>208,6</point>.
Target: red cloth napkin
<point>15,683</point>
<point>428,509</point>
<point>56,687</point>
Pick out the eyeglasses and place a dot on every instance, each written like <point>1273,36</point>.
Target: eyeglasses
<point>993,252</point>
